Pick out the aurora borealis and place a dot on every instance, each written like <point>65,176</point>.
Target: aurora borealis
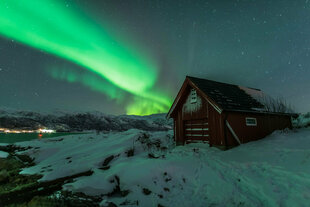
<point>131,57</point>
<point>49,26</point>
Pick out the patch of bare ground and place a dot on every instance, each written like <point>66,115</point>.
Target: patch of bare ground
<point>25,190</point>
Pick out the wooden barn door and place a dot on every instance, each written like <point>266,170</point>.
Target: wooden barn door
<point>196,130</point>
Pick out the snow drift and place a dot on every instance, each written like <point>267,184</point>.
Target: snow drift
<point>274,171</point>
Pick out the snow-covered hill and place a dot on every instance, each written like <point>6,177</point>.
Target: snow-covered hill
<point>138,168</point>
<point>63,121</point>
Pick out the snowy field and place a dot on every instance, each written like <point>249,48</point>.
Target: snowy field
<point>274,171</point>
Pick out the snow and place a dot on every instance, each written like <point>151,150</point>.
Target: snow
<point>303,120</point>
<point>274,171</point>
<point>255,93</point>
<point>271,104</point>
<point>3,154</point>
<point>189,107</point>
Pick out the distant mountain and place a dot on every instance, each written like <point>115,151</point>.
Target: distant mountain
<point>63,121</point>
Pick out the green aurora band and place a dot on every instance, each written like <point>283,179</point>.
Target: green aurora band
<point>52,27</point>
<point>88,79</point>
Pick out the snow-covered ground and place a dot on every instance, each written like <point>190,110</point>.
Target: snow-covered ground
<point>274,171</point>
<point>303,120</point>
<point>3,154</point>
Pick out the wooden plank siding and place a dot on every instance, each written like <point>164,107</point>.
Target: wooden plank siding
<point>266,124</point>
<point>207,112</point>
<point>190,117</point>
<point>197,129</point>
<point>216,127</point>
<point>195,122</point>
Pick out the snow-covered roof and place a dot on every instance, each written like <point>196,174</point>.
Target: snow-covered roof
<point>229,96</point>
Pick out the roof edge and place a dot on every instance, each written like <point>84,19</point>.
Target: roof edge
<point>263,112</point>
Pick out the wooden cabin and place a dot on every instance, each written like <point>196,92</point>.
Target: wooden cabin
<point>221,114</point>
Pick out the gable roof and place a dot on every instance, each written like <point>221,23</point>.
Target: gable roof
<point>224,96</point>
<point>228,96</point>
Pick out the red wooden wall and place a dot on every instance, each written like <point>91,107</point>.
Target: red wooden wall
<point>206,112</point>
<point>266,124</point>
<point>216,123</point>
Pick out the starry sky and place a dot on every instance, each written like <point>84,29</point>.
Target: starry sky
<point>131,57</point>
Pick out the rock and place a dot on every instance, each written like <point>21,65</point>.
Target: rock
<point>108,160</point>
<point>104,168</point>
<point>146,191</point>
<point>130,152</point>
<point>117,191</point>
<point>24,158</point>
<point>152,156</point>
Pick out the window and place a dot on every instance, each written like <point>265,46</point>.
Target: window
<point>250,121</point>
<point>193,96</point>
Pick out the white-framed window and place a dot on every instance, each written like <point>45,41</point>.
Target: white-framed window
<point>193,96</point>
<point>250,121</point>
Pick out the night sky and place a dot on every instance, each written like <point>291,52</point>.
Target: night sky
<point>132,56</point>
